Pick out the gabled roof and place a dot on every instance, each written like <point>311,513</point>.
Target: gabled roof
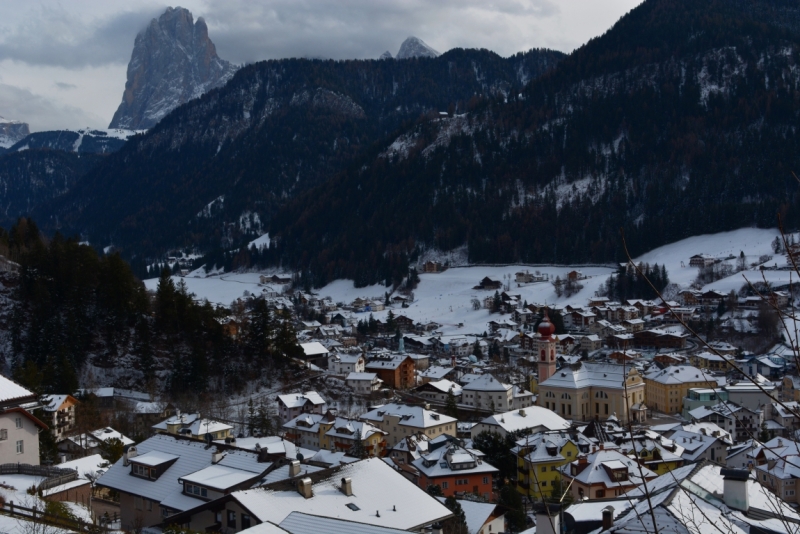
<point>486,383</point>
<point>10,391</point>
<point>525,418</point>
<point>190,456</point>
<point>412,416</point>
<point>679,374</point>
<point>381,497</point>
<point>297,400</point>
<point>586,374</point>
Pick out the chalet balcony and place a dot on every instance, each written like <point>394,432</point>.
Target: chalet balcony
<point>524,485</point>
<point>522,470</point>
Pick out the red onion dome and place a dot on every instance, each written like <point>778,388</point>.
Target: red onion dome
<point>546,328</point>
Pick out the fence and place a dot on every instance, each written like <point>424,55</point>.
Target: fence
<point>40,516</point>
<point>53,476</point>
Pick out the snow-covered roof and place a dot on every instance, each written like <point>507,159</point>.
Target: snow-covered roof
<point>412,416</point>
<point>450,460</point>
<point>475,513</point>
<point>314,348</point>
<point>300,523</point>
<point>381,496</point>
<point>189,457</point>
<point>54,402</point>
<point>362,376</point>
<point>594,473</point>
<point>486,383</point>
<point>604,375</point>
<point>207,426</point>
<point>298,400</point>
<point>679,374</point>
<point>526,418</point>
<point>86,465</point>
<point>10,390</point>
<point>445,385</point>
<point>219,477</point>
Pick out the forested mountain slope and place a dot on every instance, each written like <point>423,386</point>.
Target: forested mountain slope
<point>680,120</point>
<point>217,168</point>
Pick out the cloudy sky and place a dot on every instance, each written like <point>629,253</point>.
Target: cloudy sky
<point>62,64</point>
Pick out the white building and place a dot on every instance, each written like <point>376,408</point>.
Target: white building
<point>363,382</point>
<point>344,364</point>
<point>488,393</point>
<point>19,429</point>
<point>293,404</point>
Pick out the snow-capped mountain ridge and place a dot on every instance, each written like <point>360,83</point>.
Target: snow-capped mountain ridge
<point>415,47</point>
<point>12,131</point>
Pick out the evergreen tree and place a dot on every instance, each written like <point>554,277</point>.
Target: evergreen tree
<point>358,450</point>
<point>458,523</point>
<point>451,407</point>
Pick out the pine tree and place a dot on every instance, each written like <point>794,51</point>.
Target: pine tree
<point>251,417</point>
<point>451,407</point>
<point>358,450</point>
<point>458,523</point>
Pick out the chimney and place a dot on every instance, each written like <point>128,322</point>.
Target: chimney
<point>130,452</point>
<point>548,524</point>
<point>217,456</point>
<point>294,468</point>
<point>304,487</point>
<point>347,486</point>
<point>734,488</point>
<point>608,517</point>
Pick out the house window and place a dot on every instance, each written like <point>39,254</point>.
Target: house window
<point>544,469</point>
<point>148,504</point>
<point>245,521</point>
<point>231,519</point>
<point>18,422</point>
<point>20,447</point>
<point>3,434</point>
<point>195,490</point>
<point>485,480</point>
<point>137,502</point>
<point>444,485</point>
<point>544,483</point>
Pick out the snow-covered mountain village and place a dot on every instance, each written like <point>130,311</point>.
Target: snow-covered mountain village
<point>528,396</point>
<point>311,275</point>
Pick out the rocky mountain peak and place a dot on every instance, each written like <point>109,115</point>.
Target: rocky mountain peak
<point>12,131</point>
<point>415,47</point>
<point>173,61</point>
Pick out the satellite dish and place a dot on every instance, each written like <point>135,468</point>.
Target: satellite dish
<point>300,456</point>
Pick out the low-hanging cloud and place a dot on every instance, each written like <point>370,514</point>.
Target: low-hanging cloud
<point>51,35</point>
<point>42,113</point>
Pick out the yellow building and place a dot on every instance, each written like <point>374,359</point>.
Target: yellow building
<point>538,458</point>
<point>400,421</point>
<point>328,432</point>
<point>193,426</point>
<point>589,390</point>
<point>659,455</point>
<point>666,388</point>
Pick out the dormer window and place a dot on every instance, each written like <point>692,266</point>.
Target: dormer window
<point>193,489</point>
<point>143,471</point>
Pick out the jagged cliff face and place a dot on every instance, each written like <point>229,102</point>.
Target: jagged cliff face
<point>12,132</point>
<point>173,61</point>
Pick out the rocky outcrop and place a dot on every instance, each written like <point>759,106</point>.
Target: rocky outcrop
<point>173,61</point>
<point>415,47</point>
<point>12,131</point>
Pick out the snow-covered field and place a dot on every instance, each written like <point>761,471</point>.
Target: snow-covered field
<point>754,242</point>
<point>446,298</point>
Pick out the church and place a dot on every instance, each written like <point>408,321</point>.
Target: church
<point>587,390</point>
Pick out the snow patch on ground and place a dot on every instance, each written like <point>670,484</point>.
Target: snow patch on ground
<point>754,242</point>
<point>260,242</point>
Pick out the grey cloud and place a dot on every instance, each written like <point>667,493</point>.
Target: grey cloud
<point>41,113</point>
<point>246,31</point>
<point>65,86</point>
<point>53,36</point>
